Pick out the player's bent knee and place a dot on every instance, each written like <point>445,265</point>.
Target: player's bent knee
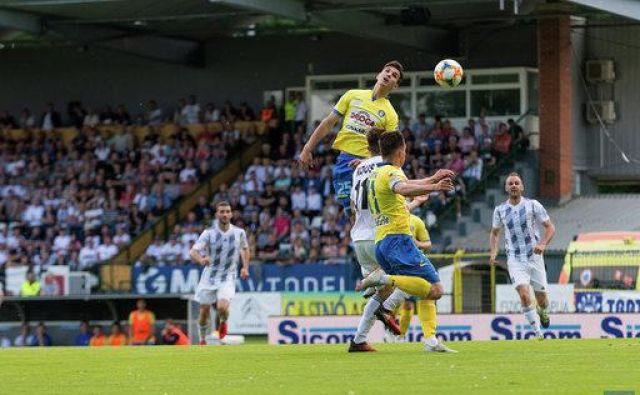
<point>436,292</point>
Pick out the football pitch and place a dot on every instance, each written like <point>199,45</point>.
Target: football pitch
<point>513,367</point>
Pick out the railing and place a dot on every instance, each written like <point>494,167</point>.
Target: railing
<point>116,274</point>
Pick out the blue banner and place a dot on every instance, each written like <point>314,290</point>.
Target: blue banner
<point>313,277</point>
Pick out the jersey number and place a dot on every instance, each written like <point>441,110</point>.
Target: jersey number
<point>362,195</point>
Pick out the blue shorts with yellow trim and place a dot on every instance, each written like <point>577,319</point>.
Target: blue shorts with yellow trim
<point>342,180</point>
<point>399,255</point>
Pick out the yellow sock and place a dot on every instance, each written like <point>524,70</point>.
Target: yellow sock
<point>405,319</point>
<point>427,316</point>
<point>412,285</point>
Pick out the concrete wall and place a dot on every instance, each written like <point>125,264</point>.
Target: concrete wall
<point>236,69</point>
<point>621,45</point>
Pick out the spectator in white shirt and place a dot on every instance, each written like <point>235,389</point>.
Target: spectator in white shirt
<point>171,250</point>
<point>34,213</point>
<point>15,239</point>
<point>88,254</point>
<point>191,112</point>
<point>314,202</point>
<point>62,241</point>
<point>188,174</point>
<point>473,169</point>
<point>155,249</point>
<point>142,199</point>
<point>91,119</point>
<point>301,111</point>
<point>122,238</point>
<point>298,199</point>
<point>102,151</point>
<point>107,249</point>
<point>121,141</point>
<point>189,235</point>
<point>211,113</point>
<point>26,120</point>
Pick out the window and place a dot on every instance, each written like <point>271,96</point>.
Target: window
<point>494,78</point>
<point>449,104</point>
<point>533,92</point>
<point>326,85</point>
<point>497,102</point>
<point>401,102</point>
<point>370,82</point>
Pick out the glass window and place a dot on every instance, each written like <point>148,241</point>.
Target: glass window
<point>321,104</point>
<point>401,102</point>
<point>428,81</point>
<point>494,78</point>
<point>449,104</point>
<point>326,85</point>
<point>532,93</point>
<point>370,82</point>
<point>496,102</point>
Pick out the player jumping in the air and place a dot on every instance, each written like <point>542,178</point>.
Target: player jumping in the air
<point>360,110</point>
<point>521,217</point>
<point>396,252</point>
<point>219,249</point>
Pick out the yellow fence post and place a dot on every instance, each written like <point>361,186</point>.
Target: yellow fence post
<point>457,282</point>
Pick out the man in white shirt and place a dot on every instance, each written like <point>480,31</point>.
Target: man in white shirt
<point>154,114</point>
<point>171,250</point>
<point>191,112</point>
<point>314,201</point>
<point>521,218</point>
<point>34,214</point>
<point>155,249</point>
<point>298,199</point>
<point>121,238</point>
<point>88,254</point>
<point>301,111</point>
<point>62,241</point>
<point>188,174</point>
<point>107,249</point>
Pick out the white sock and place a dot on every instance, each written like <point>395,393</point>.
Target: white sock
<point>394,300</point>
<point>203,330</point>
<point>367,320</point>
<point>532,317</point>
<point>432,341</point>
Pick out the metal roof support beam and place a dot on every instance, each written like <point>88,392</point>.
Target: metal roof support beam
<point>21,21</point>
<point>626,8</point>
<point>291,9</point>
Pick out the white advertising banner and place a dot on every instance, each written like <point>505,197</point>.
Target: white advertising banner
<point>341,329</point>
<point>608,302</point>
<point>561,299</point>
<point>250,310</point>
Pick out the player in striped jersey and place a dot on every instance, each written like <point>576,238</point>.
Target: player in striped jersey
<point>219,249</point>
<point>521,217</point>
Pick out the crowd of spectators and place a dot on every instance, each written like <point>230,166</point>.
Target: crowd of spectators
<point>79,203</point>
<point>290,215</point>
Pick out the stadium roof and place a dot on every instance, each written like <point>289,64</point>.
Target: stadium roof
<point>174,30</point>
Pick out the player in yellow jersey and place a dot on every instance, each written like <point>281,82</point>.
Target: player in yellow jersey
<point>406,267</point>
<point>359,110</point>
<point>426,307</point>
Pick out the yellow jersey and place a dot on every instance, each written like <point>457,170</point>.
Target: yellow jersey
<point>360,113</point>
<point>388,208</point>
<point>418,228</point>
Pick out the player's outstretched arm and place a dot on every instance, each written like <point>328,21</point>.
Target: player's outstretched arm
<point>246,258</point>
<point>322,131</point>
<point>421,187</point>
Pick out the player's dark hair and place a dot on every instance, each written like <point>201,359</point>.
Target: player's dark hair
<point>396,65</point>
<point>390,142</point>
<point>373,139</point>
<point>222,203</point>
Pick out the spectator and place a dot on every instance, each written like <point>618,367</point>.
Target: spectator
<point>24,338</point>
<point>191,111</point>
<point>473,170</point>
<point>269,251</point>
<point>50,118</point>
<point>172,334</point>
<point>122,238</point>
<point>502,141</point>
<point>107,249</point>
<point>89,255</point>
<point>467,142</point>
<point>84,337</point>
<point>154,114</point>
<point>301,112</point>
<point>142,325</point>
<point>290,112</point>
<point>245,113</point>
<point>211,113</point>
<point>31,286</point>
<point>91,119</point>
<point>26,120</point>
<point>42,338</point>
<point>121,116</point>
<point>5,342</point>
<point>98,339</point>
<point>117,336</point>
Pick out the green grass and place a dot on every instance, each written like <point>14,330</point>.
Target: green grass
<point>514,367</point>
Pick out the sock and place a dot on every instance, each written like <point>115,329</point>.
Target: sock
<point>405,319</point>
<point>412,285</point>
<point>427,316</point>
<point>367,320</point>
<point>532,317</point>
<point>203,330</point>
<point>544,309</point>
<point>394,300</point>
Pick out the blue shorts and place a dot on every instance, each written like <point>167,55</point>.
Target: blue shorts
<point>399,255</point>
<point>342,179</point>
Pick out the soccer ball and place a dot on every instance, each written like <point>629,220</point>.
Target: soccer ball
<point>448,73</point>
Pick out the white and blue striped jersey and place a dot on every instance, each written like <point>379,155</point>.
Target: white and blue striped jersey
<point>364,225</point>
<point>224,249</point>
<point>521,225</point>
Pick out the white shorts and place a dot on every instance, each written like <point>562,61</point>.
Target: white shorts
<point>366,254</point>
<point>210,296</point>
<point>530,272</point>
